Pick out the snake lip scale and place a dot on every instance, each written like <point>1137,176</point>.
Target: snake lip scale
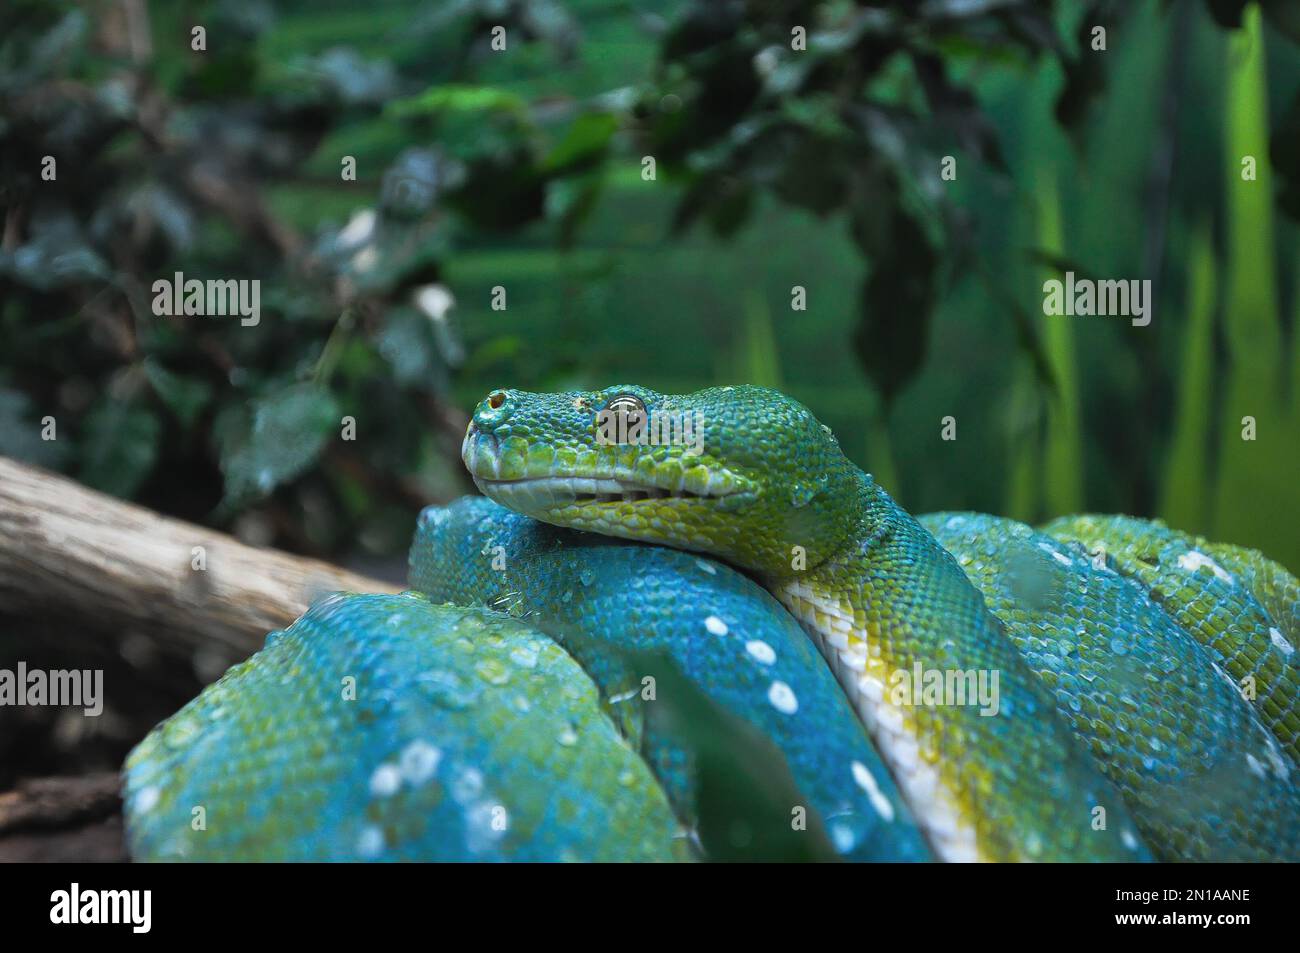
<point>581,490</point>
<point>483,457</point>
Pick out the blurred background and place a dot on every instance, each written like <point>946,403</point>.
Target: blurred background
<point>637,187</point>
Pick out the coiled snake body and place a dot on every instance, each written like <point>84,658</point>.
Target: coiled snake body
<point>1103,689</point>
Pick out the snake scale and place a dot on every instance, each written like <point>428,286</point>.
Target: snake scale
<point>962,687</point>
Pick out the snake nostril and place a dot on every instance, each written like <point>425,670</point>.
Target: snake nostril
<point>493,412</point>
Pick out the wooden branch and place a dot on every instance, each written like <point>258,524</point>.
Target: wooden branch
<point>63,819</point>
<point>57,803</point>
<point>71,551</point>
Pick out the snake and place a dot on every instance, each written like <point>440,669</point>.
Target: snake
<point>650,585</point>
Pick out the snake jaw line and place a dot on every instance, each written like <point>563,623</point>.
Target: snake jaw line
<point>556,491</point>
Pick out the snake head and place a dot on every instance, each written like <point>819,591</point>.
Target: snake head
<point>743,472</point>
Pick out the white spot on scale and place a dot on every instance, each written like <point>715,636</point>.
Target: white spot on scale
<point>867,781</point>
<point>1033,844</point>
<point>371,841</point>
<point>1055,553</point>
<point>1129,840</point>
<point>1194,560</point>
<point>1280,765</point>
<point>147,799</point>
<point>707,567</point>
<point>467,785</point>
<point>715,625</point>
<point>482,829</point>
<point>1280,641</point>
<point>782,698</point>
<point>761,651</point>
<point>385,781</point>
<point>843,838</point>
<point>1255,767</point>
<point>419,761</point>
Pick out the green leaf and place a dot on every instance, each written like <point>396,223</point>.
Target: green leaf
<point>1283,16</point>
<point>1027,338</point>
<point>352,77</point>
<point>1284,155</point>
<point>184,396</point>
<point>570,202</point>
<point>956,110</point>
<point>20,436</point>
<point>54,259</point>
<point>743,787</point>
<point>1054,261</point>
<point>731,208</point>
<point>585,142</point>
<point>957,9</point>
<point>502,191</point>
<point>403,256</point>
<point>50,51</point>
<point>897,301</point>
<point>119,447</point>
<point>737,785</point>
<point>1086,74</point>
<point>413,183</point>
<point>459,99</point>
<point>1226,13</point>
<point>407,344</point>
<point>279,439</point>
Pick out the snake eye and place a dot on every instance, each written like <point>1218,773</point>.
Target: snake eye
<point>496,399</point>
<point>627,405</point>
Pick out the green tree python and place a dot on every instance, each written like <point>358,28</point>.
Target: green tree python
<point>957,688</point>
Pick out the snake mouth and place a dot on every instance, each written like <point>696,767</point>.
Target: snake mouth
<point>524,483</point>
<point>533,493</point>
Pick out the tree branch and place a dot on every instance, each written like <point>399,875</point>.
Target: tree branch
<point>73,552</point>
<point>62,819</point>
